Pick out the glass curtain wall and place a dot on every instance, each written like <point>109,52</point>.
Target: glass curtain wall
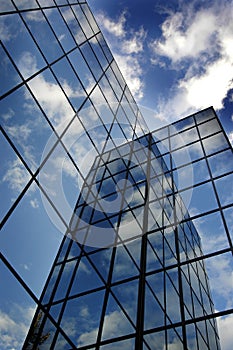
<point>63,102</point>
<point>140,269</point>
<point>165,198</point>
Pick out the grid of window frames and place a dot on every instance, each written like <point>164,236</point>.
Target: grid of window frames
<point>153,287</point>
<point>57,78</point>
<point>62,96</point>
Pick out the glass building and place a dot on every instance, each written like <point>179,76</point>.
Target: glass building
<point>132,272</point>
<point>145,218</point>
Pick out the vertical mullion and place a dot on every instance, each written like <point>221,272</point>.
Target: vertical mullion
<point>142,277</point>
<point>180,284</point>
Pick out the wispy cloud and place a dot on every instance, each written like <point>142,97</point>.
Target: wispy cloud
<point>220,274</point>
<point>22,131</point>
<point>16,176</point>
<point>132,72</point>
<point>126,45</point>
<point>135,43</point>
<point>8,115</point>
<point>25,267</point>
<point>114,322</point>
<point>34,203</point>
<point>6,32</point>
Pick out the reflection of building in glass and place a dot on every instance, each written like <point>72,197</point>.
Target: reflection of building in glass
<point>63,99</point>
<point>135,277</point>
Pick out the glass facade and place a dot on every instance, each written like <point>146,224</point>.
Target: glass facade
<point>135,273</point>
<point>147,217</point>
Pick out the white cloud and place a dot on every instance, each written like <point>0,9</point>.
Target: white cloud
<point>126,46</point>
<point>34,203</point>
<point>135,43</point>
<point>27,64</point>
<point>16,176</point>
<point>132,72</point>
<point>199,44</point>
<point>36,16</point>
<point>84,312</point>
<point>51,97</point>
<point>6,33</point>
<point>8,115</point>
<point>48,93</point>
<point>83,268</point>
<point>70,326</point>
<point>220,274</point>
<point>195,42</point>
<point>14,326</point>
<point>25,267</point>
<point>88,338</point>
<point>225,326</point>
<point>115,323</point>
<point>52,100</point>
<point>20,132</point>
<point>114,27</point>
<point>211,87</point>
<point>185,34</point>
<point>22,135</point>
<point>68,15</point>
<point>174,346</point>
<point>231,137</point>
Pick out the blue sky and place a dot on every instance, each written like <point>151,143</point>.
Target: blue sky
<point>176,57</point>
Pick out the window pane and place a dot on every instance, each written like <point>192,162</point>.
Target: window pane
<point>50,47</point>
<point>204,115</point>
<point>181,125</point>
<point>221,163</point>
<point>225,189</point>
<point>27,56</point>
<point>202,199</point>
<point>215,143</point>
<point>83,315</point>
<point>209,128</point>
<point>52,100</point>
<point>69,82</point>
<point>212,232</point>
<point>73,25</point>
<point>60,29</point>
<point>228,214</point>
<point>34,229</point>
<point>82,20</point>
